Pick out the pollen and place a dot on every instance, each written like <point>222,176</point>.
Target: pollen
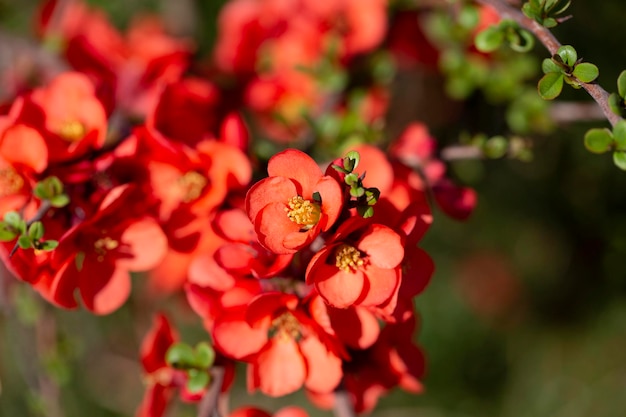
<point>192,184</point>
<point>72,131</point>
<point>348,258</point>
<point>285,326</point>
<point>10,182</point>
<point>104,245</point>
<point>304,213</point>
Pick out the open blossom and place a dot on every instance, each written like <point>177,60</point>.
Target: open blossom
<point>361,265</point>
<point>283,342</point>
<point>291,207</point>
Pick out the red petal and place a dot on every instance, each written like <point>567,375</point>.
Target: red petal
<point>23,145</point>
<point>148,245</point>
<point>340,289</point>
<point>235,338</point>
<point>332,200</point>
<point>205,272</point>
<point>291,411</point>
<point>266,191</point>
<point>249,412</point>
<point>382,284</point>
<point>274,227</point>
<point>103,287</point>
<point>280,368</point>
<point>155,401</point>
<point>356,326</point>
<point>382,245</point>
<point>324,368</point>
<point>297,165</point>
<point>156,343</point>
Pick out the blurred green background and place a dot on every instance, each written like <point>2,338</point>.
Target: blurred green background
<point>525,316</point>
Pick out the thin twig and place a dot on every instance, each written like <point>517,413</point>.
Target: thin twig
<point>343,406</point>
<point>208,405</point>
<point>552,45</point>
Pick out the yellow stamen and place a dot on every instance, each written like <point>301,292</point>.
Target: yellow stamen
<point>103,245</point>
<point>192,184</point>
<point>304,213</point>
<point>285,326</point>
<point>348,258</point>
<point>72,131</point>
<point>10,182</point>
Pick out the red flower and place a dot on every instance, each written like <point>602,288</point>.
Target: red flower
<point>284,344</point>
<point>291,207</point>
<point>97,255</point>
<point>291,411</point>
<point>360,266</point>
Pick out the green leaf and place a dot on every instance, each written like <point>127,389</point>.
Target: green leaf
<point>24,242</point>
<point>496,147</point>
<point>586,72</point>
<point>48,245</point>
<point>550,85</point>
<point>619,133</point>
<point>13,218</point>
<point>548,65</point>
<point>351,160</point>
<point>598,140</point>
<point>36,231</point>
<point>7,233</point>
<point>562,9</point>
<point>621,84</point>
<point>530,11</point>
<point>60,200</point>
<point>619,158</point>
<point>550,22</point>
<point>616,103</point>
<point>205,355</point>
<point>521,40</point>
<point>198,380</point>
<point>489,39</point>
<point>180,355</point>
<point>568,55</point>
<point>365,211</point>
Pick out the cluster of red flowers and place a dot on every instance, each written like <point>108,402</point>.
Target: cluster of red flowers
<point>294,275</point>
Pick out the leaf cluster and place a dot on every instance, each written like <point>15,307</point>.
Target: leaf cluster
<point>363,198</point>
<point>546,12</point>
<point>195,362</point>
<point>564,67</point>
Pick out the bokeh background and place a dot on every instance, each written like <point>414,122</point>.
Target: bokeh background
<point>525,315</point>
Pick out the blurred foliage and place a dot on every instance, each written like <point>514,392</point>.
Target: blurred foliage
<point>525,316</point>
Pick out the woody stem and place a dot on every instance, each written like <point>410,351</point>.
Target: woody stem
<point>208,405</point>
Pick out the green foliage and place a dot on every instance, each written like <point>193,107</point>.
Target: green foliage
<point>491,38</point>
<point>546,12</point>
<point>564,66</point>
<point>51,189</point>
<point>617,101</point>
<point>604,140</point>
<point>196,363</point>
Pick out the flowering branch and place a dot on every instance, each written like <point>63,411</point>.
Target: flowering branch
<point>208,405</point>
<point>599,94</point>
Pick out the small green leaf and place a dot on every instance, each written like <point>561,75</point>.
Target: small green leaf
<point>60,200</point>
<point>616,103</point>
<point>521,40</point>
<point>489,39</point>
<point>24,242</point>
<point>619,158</point>
<point>550,85</point>
<point>180,355</point>
<point>7,233</point>
<point>619,133</point>
<point>530,11</point>
<point>496,147</point>
<point>586,72</point>
<point>365,211</point>
<point>548,65</point>
<point>48,245</point>
<point>13,219</point>
<point>598,140</point>
<point>353,157</point>
<point>550,22</point>
<point>562,9</point>
<point>568,55</point>
<point>205,355</point>
<point>36,231</point>
<point>621,84</point>
<point>351,179</point>
<point>357,192</point>
<point>198,380</point>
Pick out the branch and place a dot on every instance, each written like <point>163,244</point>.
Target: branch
<point>208,405</point>
<point>43,209</point>
<point>552,45</point>
<point>343,405</point>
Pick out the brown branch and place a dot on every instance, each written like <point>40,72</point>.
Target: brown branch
<point>552,45</point>
<point>208,407</point>
<point>343,405</point>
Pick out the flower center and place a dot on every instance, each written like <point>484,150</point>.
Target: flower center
<point>348,258</point>
<point>103,245</point>
<point>285,326</point>
<point>192,184</point>
<point>304,213</point>
<point>72,131</point>
<point>10,182</point>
